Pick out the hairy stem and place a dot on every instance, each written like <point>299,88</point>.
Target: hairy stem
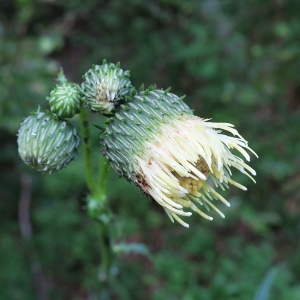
<point>98,208</point>
<point>85,131</point>
<point>102,178</point>
<point>106,249</point>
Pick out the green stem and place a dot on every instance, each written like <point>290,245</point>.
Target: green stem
<point>105,243</point>
<point>106,251</point>
<point>102,178</point>
<point>98,208</point>
<point>85,131</point>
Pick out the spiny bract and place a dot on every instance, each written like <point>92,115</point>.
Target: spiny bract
<point>47,143</point>
<point>105,86</point>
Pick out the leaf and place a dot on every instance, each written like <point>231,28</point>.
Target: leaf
<point>265,287</point>
<point>102,129</point>
<point>138,248</point>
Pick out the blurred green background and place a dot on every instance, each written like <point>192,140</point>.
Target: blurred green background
<point>237,62</point>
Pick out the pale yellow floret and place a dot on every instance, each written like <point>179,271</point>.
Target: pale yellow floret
<point>180,221</point>
<point>237,184</point>
<point>175,166</point>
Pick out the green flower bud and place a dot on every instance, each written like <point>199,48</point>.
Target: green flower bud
<point>47,143</point>
<point>105,86</point>
<point>156,142</point>
<point>65,100</point>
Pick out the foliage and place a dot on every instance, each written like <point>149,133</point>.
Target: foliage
<point>238,62</point>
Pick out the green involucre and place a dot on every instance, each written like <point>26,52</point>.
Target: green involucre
<point>138,121</point>
<point>65,100</point>
<point>47,143</point>
<point>105,86</point>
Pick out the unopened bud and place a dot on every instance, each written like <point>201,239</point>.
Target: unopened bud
<point>47,143</point>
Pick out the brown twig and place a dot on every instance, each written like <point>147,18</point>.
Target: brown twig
<point>26,232</point>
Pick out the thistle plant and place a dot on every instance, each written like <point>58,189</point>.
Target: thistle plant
<point>151,137</point>
<point>155,141</point>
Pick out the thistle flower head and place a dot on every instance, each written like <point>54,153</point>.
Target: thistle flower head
<point>65,100</point>
<point>47,143</point>
<point>173,156</point>
<point>104,86</point>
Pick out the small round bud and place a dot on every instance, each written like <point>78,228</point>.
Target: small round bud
<point>47,143</point>
<point>65,100</point>
<point>104,86</point>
